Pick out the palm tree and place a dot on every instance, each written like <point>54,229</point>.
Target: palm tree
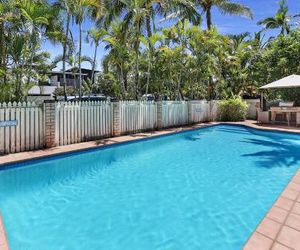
<point>138,15</point>
<point>179,10</point>
<point>96,35</point>
<point>281,20</point>
<point>6,14</point>
<point>134,20</point>
<point>150,42</point>
<point>259,41</point>
<point>37,19</point>
<point>59,37</point>
<point>225,6</point>
<point>119,53</point>
<point>83,8</point>
<point>66,6</point>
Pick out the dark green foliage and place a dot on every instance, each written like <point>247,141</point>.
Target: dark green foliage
<point>234,109</point>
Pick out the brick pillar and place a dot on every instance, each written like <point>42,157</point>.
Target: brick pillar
<point>116,119</point>
<point>159,115</point>
<point>49,109</point>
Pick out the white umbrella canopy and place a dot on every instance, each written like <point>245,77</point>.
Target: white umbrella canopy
<point>292,81</point>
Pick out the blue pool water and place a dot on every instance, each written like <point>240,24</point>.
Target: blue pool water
<point>203,189</point>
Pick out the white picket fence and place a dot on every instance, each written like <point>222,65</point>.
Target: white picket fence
<point>83,121</point>
<point>199,111</point>
<point>23,129</point>
<point>22,125</point>
<point>137,116</point>
<point>174,113</point>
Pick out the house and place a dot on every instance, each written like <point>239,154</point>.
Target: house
<point>72,77</point>
<point>41,93</point>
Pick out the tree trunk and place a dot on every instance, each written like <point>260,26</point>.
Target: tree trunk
<point>94,63</point>
<point>125,80</point>
<point>137,76</point>
<point>208,18</point>
<point>209,26</point>
<point>64,56</point>
<point>211,88</point>
<point>122,81</point>
<point>152,14</point>
<point>32,48</point>
<point>79,60</point>
<point>2,49</point>
<point>148,74</point>
<point>148,24</point>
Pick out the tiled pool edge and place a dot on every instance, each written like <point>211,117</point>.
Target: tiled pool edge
<point>3,238</point>
<point>280,228</point>
<point>60,150</point>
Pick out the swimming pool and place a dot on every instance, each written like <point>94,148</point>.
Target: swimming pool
<point>202,189</point>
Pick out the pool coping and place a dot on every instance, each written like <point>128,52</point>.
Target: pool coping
<point>27,156</point>
<point>23,157</point>
<point>3,238</point>
<point>278,228</point>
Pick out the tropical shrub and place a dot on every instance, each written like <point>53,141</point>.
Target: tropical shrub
<point>233,109</point>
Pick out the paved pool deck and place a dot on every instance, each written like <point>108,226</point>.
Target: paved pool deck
<point>3,238</point>
<point>279,230</point>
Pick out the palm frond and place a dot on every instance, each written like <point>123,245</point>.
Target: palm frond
<point>235,9</point>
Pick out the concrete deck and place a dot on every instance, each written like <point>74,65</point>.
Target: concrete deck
<point>279,230</point>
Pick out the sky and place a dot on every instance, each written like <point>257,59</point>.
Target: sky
<point>226,24</point>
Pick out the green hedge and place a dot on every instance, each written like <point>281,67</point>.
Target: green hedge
<point>233,110</point>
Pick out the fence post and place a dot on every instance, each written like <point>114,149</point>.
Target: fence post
<point>190,113</point>
<point>117,119</point>
<point>159,115</point>
<point>49,109</point>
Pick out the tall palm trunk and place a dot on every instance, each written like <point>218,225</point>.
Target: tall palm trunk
<point>148,74</point>
<point>79,60</point>
<point>32,48</point>
<point>208,18</point>
<point>65,55</point>
<point>148,24</point>
<point>94,63</point>
<point>209,26</point>
<point>2,49</point>
<point>149,34</point>
<point>137,77</point>
<point>122,81</point>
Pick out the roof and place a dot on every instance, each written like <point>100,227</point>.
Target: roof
<point>292,81</point>
<point>76,69</point>
<point>67,73</point>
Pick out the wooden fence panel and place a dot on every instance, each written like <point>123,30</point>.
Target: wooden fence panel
<point>137,116</point>
<point>199,111</point>
<point>85,121</point>
<point>21,127</point>
<point>175,113</point>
